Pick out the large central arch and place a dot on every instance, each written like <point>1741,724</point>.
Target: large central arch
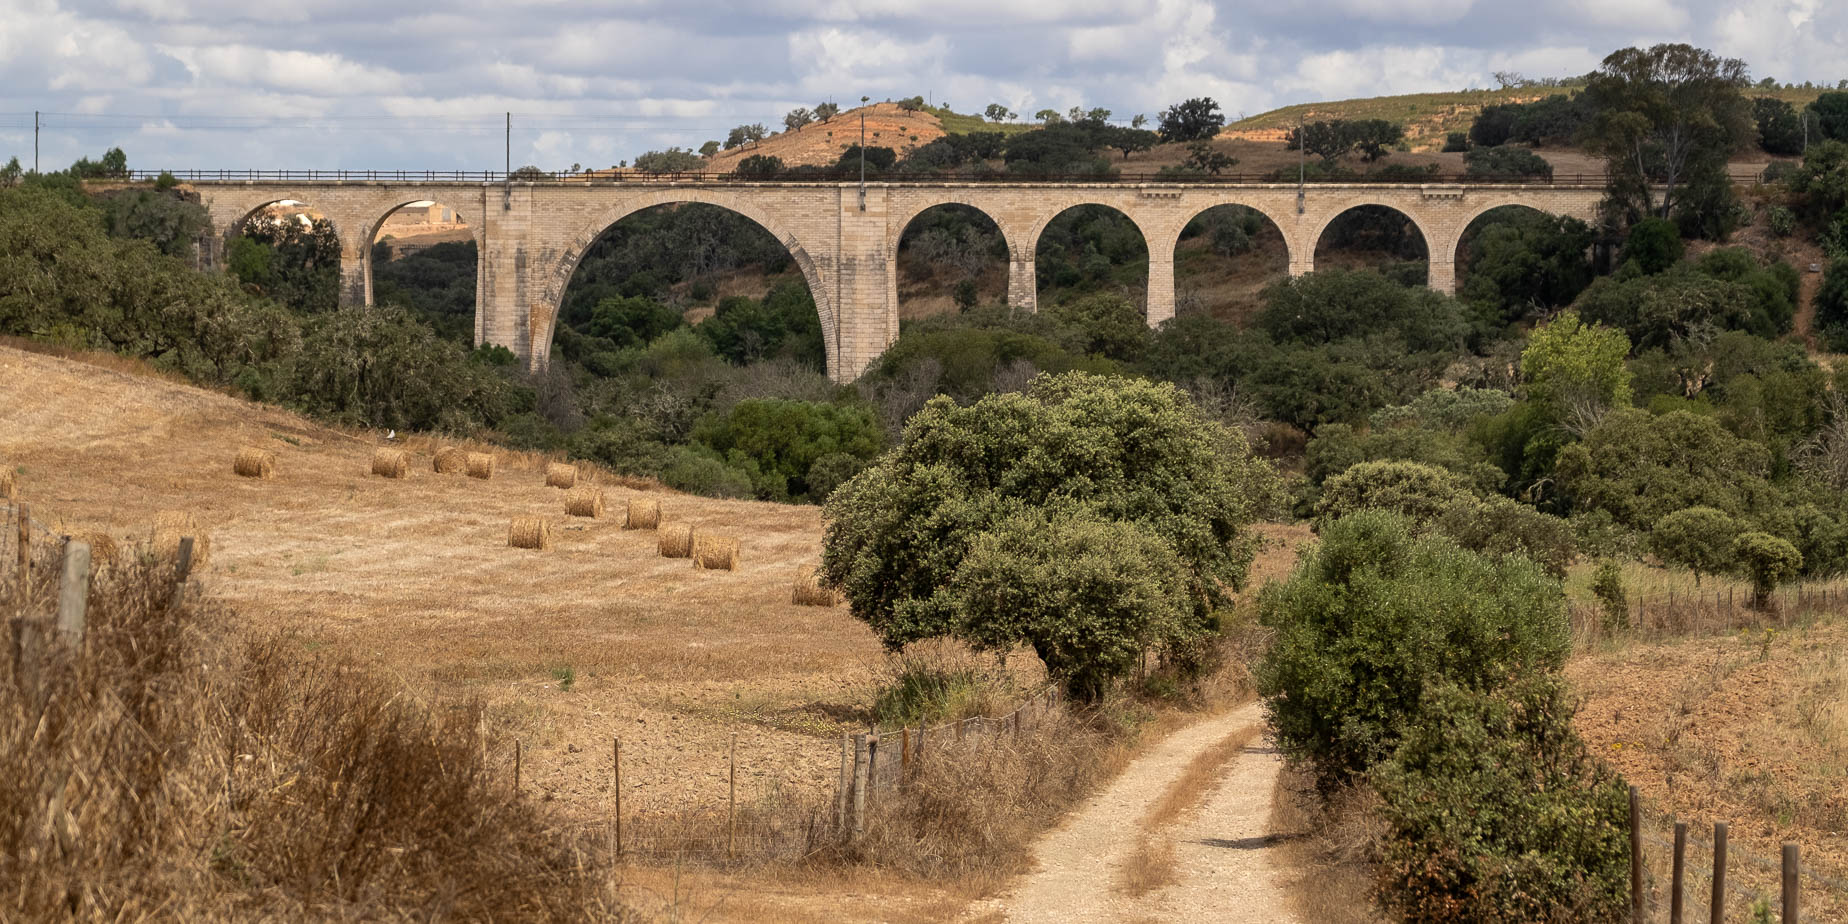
<point>901,222</point>
<point>543,316</point>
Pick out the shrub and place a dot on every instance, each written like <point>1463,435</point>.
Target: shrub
<point>1456,142</point>
<point>1495,525</point>
<point>1767,561</point>
<point>1607,587</point>
<point>1497,812</point>
<point>1699,539</point>
<point>699,473</point>
<point>1090,518</point>
<point>1783,221</point>
<point>784,438</point>
<point>1507,162</point>
<point>1642,467</point>
<point>1654,245</point>
<point>1420,492</point>
<point>1372,616</point>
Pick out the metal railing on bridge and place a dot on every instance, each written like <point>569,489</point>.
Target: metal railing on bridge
<point>799,176</point>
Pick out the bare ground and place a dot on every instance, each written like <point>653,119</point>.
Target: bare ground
<point>1222,857</point>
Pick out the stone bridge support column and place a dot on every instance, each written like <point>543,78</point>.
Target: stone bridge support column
<point>865,305</point>
<point>511,278</point>
<point>1441,243</point>
<point>1161,279</point>
<point>1022,282</point>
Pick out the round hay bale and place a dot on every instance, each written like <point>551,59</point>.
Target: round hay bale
<point>9,485</point>
<point>530,533</point>
<point>255,463</point>
<point>170,526</point>
<point>480,465</point>
<point>103,548</point>
<point>450,460</point>
<point>715,553</point>
<point>585,502</point>
<point>644,513</point>
<point>676,540</point>
<point>560,475</point>
<point>390,463</point>
<point>808,590</point>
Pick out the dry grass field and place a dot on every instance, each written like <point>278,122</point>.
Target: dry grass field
<point>597,637</point>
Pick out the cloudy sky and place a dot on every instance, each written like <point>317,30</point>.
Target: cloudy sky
<point>365,84</point>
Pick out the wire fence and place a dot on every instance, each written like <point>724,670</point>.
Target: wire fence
<point>781,818</point>
<point>1721,609</point>
<point>1747,882</point>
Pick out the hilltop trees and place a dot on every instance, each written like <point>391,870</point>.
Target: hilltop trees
<point>998,113</point>
<point>797,118</point>
<point>672,160</point>
<point>1197,119</point>
<point>1667,118</point>
<point>1330,140</point>
<point>745,134</point>
<point>1091,518</point>
<point>826,111</point>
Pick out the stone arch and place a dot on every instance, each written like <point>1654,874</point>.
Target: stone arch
<point>1452,247</point>
<point>1159,304</point>
<point>348,271</point>
<point>1172,234</point>
<point>542,316</point>
<point>902,222</point>
<point>1313,241</point>
<point>383,212</point>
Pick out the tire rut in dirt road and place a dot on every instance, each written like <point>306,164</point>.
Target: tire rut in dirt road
<point>1221,858</point>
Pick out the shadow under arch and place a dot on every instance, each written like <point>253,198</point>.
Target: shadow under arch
<point>984,273</point>
<point>543,318</point>
<point>1378,228</point>
<point>1245,237</point>
<point>1089,223</point>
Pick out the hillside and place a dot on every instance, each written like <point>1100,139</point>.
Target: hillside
<point>1427,117</point>
<point>596,638</point>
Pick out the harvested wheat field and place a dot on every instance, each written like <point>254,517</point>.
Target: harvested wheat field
<point>597,637</point>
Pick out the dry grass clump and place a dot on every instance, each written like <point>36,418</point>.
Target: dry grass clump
<point>676,540</point>
<point>163,772</point>
<point>103,548</point>
<point>1328,862</point>
<point>560,475</point>
<point>644,513</point>
<point>528,532</point>
<point>715,553</point>
<point>808,590</point>
<point>170,526</point>
<point>585,502</point>
<point>390,463</point>
<point>449,460</point>
<point>9,484</point>
<point>971,810</point>
<point>480,465</point>
<point>252,462</point>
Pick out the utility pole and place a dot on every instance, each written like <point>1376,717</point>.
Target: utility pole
<point>863,100</point>
<point>507,177</point>
<point>35,134</point>
<point>1302,164</point>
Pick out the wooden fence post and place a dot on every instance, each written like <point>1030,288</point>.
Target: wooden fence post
<point>73,594</point>
<point>182,570</point>
<point>904,753</point>
<point>872,768</point>
<point>616,786</point>
<point>859,784</point>
<point>731,799</point>
<point>1718,910</point>
<point>1636,858</point>
<point>1790,883</point>
<point>845,787</point>
<point>25,555</point>
<point>1674,896</point>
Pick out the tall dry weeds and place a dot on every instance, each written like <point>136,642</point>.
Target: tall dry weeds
<point>166,771</point>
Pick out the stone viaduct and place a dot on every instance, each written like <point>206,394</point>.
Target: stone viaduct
<point>531,235</point>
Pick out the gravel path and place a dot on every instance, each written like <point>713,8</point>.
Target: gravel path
<point>1222,857</point>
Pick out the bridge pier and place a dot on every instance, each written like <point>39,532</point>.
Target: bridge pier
<point>1160,305</point>
<point>1023,282</point>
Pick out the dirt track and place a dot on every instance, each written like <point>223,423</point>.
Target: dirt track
<point>1221,851</point>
